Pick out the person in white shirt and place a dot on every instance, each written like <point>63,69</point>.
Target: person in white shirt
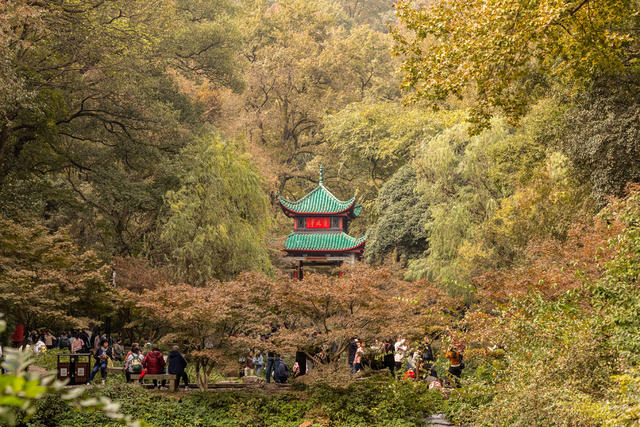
<point>401,351</point>
<point>40,347</point>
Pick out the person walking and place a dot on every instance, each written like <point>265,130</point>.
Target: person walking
<point>102,359</point>
<point>133,363</point>
<point>177,365</point>
<point>154,364</point>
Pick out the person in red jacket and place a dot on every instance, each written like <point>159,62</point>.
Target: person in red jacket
<point>154,364</point>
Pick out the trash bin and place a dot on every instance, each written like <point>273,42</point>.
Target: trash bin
<point>83,368</point>
<point>76,368</point>
<point>64,367</point>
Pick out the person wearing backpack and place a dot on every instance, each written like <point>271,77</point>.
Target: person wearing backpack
<point>281,373</point>
<point>133,364</point>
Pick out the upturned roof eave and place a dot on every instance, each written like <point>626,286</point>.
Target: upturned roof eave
<point>358,245</point>
<point>352,249</point>
<point>291,213</point>
<point>289,207</point>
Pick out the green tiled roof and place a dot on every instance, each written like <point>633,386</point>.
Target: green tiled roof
<point>319,200</point>
<point>321,242</point>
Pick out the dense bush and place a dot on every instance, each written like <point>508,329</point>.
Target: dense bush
<point>367,402</point>
<point>571,342</point>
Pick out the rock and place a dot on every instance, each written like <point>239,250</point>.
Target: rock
<point>252,379</point>
<point>438,420</point>
<point>36,369</point>
<point>306,424</point>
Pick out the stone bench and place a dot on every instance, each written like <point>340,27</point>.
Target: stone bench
<point>171,378</point>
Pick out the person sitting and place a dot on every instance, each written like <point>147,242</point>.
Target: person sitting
<point>177,365</point>
<point>133,363</point>
<point>281,373</point>
<point>154,364</point>
<point>102,359</point>
<point>248,365</point>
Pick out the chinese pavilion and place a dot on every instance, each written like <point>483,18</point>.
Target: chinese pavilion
<point>321,224</point>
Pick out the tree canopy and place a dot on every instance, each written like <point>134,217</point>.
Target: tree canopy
<point>511,52</point>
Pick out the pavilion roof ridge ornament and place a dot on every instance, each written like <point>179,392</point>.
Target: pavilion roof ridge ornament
<point>321,179</point>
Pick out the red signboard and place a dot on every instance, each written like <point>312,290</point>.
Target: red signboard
<point>318,222</point>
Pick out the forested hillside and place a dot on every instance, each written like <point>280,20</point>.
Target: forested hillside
<point>494,145</point>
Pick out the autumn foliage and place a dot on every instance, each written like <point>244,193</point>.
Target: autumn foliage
<point>46,280</point>
<point>318,315</point>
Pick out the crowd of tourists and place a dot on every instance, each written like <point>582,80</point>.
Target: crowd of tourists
<point>403,359</point>
<point>407,360</point>
<point>136,362</point>
<point>140,361</point>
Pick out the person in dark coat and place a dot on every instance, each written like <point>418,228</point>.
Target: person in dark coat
<point>154,364</point>
<point>301,359</point>
<point>353,347</point>
<point>102,356</point>
<point>177,365</point>
<point>85,341</point>
<point>389,360</point>
<point>281,373</point>
<point>426,358</point>
<point>273,360</point>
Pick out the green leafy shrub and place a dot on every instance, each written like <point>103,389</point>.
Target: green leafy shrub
<point>374,401</point>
